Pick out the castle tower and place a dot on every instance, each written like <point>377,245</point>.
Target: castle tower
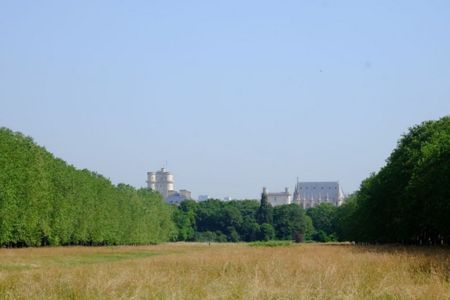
<point>161,181</point>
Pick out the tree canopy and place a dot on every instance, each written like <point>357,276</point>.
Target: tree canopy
<point>45,201</point>
<point>239,220</point>
<point>408,200</point>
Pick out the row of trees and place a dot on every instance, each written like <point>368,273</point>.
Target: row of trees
<point>408,200</point>
<point>245,220</point>
<point>44,201</point>
<point>250,220</point>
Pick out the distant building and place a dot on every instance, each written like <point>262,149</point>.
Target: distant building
<point>186,194</point>
<point>203,197</point>
<point>176,198</point>
<point>309,194</point>
<point>280,198</point>
<point>162,181</point>
<point>227,198</point>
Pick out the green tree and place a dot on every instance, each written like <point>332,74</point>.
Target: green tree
<point>323,219</point>
<point>44,201</point>
<point>267,232</point>
<point>265,210</point>
<point>407,201</point>
<point>288,221</point>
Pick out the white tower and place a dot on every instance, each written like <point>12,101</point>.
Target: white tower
<point>161,181</point>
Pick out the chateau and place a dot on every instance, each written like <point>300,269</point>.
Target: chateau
<point>309,194</point>
<point>279,198</point>
<point>163,182</point>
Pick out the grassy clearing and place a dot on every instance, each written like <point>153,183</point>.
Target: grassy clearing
<point>225,271</point>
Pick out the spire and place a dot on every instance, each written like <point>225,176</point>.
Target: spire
<point>296,195</point>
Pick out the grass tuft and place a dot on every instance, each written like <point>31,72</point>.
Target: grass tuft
<point>270,244</point>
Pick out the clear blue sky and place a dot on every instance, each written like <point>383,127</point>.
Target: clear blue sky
<point>235,95</point>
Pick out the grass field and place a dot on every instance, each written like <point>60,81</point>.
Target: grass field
<point>225,271</point>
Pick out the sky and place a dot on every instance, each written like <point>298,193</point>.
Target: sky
<point>230,95</point>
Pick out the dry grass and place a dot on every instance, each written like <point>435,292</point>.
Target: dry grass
<point>225,271</point>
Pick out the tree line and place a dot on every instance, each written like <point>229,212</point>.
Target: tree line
<point>45,201</point>
<point>239,220</point>
<point>407,201</point>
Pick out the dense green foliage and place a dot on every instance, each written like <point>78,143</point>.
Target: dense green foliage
<point>245,220</point>
<point>407,201</point>
<point>44,201</point>
<point>324,223</point>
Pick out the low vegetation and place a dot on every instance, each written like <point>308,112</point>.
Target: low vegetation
<point>271,244</point>
<point>225,271</point>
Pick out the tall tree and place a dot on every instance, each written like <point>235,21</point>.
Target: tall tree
<point>408,200</point>
<point>265,210</point>
<point>44,201</point>
<point>289,221</point>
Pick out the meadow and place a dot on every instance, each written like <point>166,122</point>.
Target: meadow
<point>225,271</point>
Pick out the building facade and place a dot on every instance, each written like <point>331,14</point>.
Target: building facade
<point>186,194</point>
<point>162,181</point>
<point>279,198</point>
<point>310,194</point>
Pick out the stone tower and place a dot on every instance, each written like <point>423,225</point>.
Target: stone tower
<point>161,181</point>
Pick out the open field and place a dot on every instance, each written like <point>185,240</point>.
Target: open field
<point>225,271</point>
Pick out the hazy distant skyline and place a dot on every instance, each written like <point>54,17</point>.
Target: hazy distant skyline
<point>234,95</point>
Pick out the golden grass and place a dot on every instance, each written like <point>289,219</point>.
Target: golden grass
<point>225,271</point>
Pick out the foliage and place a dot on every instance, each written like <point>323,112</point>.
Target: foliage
<point>323,220</point>
<point>408,200</point>
<point>309,228</point>
<point>234,221</point>
<point>270,244</point>
<point>265,211</point>
<point>45,201</point>
<point>289,220</point>
<point>267,232</point>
